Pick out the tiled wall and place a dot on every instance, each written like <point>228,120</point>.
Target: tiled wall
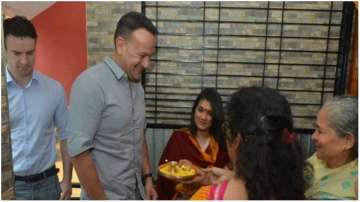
<point>187,43</point>
<point>296,57</point>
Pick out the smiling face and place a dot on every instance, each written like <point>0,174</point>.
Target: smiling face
<point>135,51</point>
<point>329,146</point>
<point>203,115</point>
<point>20,55</point>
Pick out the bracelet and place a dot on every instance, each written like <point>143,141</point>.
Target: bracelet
<point>147,175</point>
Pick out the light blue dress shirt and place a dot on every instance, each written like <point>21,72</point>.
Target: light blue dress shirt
<point>34,113</point>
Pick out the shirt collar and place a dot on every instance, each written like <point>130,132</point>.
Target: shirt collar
<point>10,79</point>
<point>36,75</point>
<point>114,67</point>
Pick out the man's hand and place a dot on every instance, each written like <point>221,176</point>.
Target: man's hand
<point>66,191</point>
<point>89,179</point>
<point>65,184</point>
<point>151,193</point>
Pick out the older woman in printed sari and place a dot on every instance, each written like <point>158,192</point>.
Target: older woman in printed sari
<point>333,171</point>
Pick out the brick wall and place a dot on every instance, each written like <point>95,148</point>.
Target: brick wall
<point>7,176</point>
<point>190,53</point>
<point>193,47</point>
<point>101,19</point>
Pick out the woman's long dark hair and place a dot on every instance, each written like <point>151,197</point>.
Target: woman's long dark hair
<point>213,97</point>
<point>270,167</point>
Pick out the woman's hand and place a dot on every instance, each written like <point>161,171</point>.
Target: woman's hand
<point>208,176</point>
<point>218,175</point>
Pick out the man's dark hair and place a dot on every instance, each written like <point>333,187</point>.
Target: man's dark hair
<point>131,22</point>
<point>19,26</point>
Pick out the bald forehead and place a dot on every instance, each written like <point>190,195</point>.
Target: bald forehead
<point>143,40</point>
<point>142,36</point>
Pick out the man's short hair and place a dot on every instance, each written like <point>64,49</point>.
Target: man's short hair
<point>19,26</point>
<point>131,22</point>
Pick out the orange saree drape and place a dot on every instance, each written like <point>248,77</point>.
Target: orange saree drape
<point>183,145</point>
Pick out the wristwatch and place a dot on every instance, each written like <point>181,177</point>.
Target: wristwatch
<point>145,176</point>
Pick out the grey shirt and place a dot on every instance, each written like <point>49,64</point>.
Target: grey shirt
<point>107,117</point>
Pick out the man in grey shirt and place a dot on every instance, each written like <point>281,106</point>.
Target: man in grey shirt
<point>107,117</point>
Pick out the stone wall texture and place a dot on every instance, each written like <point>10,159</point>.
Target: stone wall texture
<point>7,176</point>
<point>289,46</point>
<point>101,19</point>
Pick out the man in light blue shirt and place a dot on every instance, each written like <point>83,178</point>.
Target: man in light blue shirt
<point>107,118</point>
<point>37,106</point>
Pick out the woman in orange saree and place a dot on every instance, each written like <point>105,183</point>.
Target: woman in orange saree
<point>203,144</point>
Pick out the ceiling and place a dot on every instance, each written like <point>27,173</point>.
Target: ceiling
<point>28,9</point>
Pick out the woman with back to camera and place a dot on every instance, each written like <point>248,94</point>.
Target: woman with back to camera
<point>203,144</point>
<point>333,172</point>
<point>268,161</point>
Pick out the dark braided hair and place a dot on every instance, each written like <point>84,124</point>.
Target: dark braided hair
<point>270,167</point>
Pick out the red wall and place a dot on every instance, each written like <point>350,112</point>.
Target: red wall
<point>61,50</point>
